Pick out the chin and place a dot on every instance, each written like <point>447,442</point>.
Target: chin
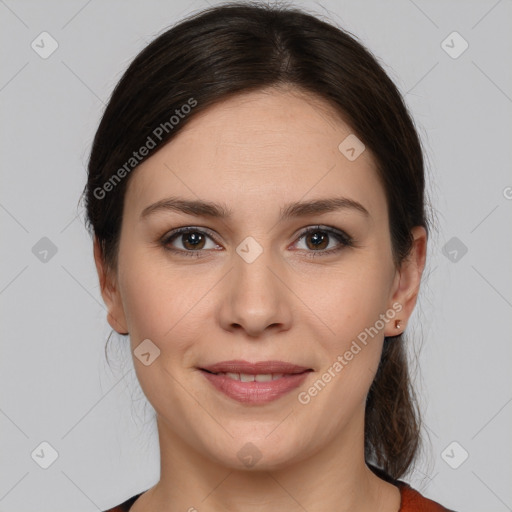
<point>257,452</point>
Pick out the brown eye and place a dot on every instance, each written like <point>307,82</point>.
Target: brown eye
<point>321,241</point>
<point>193,241</point>
<point>317,240</point>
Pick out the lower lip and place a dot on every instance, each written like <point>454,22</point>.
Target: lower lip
<point>256,393</point>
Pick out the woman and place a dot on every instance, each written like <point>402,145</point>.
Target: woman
<point>256,196</point>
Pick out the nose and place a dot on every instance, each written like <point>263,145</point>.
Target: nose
<point>257,296</point>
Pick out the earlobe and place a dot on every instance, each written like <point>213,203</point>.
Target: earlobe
<point>109,292</point>
<point>116,325</point>
<point>407,282</point>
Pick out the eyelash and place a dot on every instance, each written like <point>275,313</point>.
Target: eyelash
<point>340,236</point>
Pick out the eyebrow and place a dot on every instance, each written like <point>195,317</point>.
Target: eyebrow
<point>217,210</point>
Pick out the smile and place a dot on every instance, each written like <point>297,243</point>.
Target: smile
<point>255,383</point>
<point>247,377</point>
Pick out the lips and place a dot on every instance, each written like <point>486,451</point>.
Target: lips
<point>262,367</point>
<point>255,383</point>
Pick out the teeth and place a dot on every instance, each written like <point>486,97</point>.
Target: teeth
<point>246,377</point>
<point>264,377</point>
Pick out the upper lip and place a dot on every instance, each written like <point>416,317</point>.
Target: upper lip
<point>261,367</point>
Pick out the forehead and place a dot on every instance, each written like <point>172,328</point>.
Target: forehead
<point>268,147</point>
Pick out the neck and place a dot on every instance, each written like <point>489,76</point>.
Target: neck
<point>334,478</point>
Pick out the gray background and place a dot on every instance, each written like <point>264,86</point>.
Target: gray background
<point>56,386</point>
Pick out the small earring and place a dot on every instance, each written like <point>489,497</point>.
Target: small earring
<point>397,324</point>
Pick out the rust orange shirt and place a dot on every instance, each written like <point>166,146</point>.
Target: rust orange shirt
<point>411,501</point>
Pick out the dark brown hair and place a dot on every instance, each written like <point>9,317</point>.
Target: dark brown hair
<point>243,47</point>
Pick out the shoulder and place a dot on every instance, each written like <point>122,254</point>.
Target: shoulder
<point>125,506</point>
<point>413,501</point>
<point>410,499</point>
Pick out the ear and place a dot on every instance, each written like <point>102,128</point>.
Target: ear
<point>110,292</point>
<point>406,285</point>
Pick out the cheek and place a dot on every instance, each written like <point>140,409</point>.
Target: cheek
<point>351,353</point>
<point>351,304</point>
<point>165,304</point>
<point>349,300</point>
<point>153,294</point>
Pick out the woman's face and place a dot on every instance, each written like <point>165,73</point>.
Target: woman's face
<point>258,287</point>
